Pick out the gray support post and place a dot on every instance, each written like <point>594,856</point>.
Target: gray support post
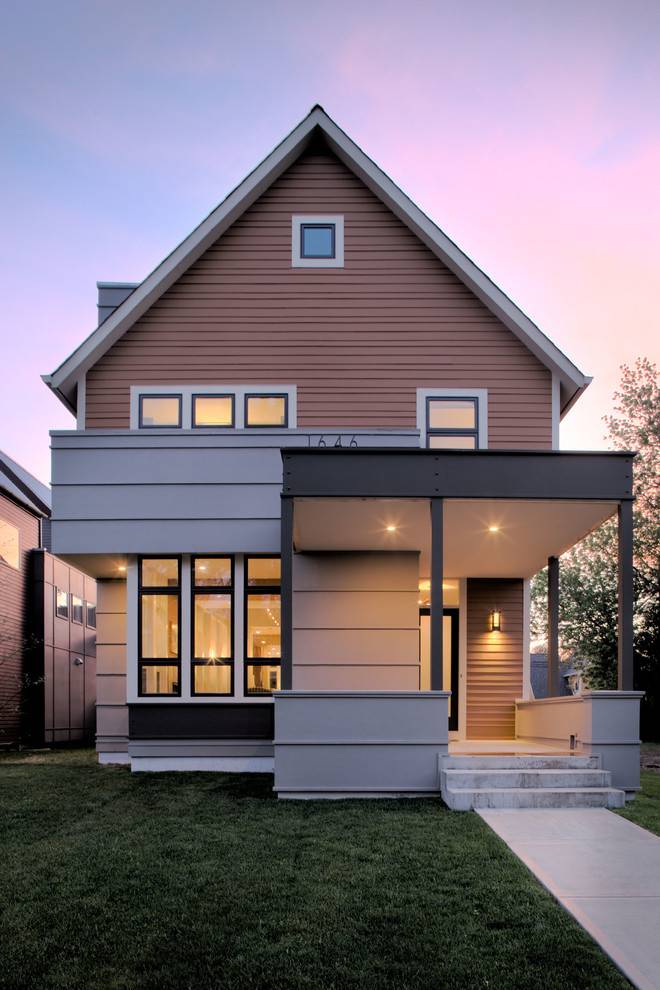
<point>553,627</point>
<point>286,590</point>
<point>625,573</point>
<point>436,594</point>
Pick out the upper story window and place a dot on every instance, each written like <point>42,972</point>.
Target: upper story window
<point>76,609</point>
<point>9,544</point>
<point>212,410</point>
<point>266,410</point>
<point>90,615</point>
<point>452,420</point>
<point>317,241</point>
<point>160,411</point>
<point>61,603</point>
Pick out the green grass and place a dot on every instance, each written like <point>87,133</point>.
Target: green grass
<point>645,809</point>
<point>205,881</point>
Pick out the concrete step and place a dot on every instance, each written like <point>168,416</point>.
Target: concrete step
<point>522,762</point>
<point>533,797</point>
<point>479,779</point>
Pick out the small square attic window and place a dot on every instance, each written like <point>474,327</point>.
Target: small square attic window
<point>317,242</point>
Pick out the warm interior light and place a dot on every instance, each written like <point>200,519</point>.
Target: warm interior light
<point>495,620</point>
<point>391,528</point>
<point>493,529</point>
<point>121,567</point>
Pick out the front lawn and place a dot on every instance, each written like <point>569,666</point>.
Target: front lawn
<point>645,809</point>
<point>173,881</point>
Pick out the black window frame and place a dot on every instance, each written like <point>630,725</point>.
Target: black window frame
<point>263,426</point>
<point>318,226</point>
<point>68,604</point>
<point>212,589</point>
<point>88,606</point>
<point>455,432</point>
<point>160,395</point>
<point>258,589</point>
<point>213,395</point>
<point>81,620</point>
<point>155,661</point>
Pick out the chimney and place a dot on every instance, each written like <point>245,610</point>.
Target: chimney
<point>111,295</point>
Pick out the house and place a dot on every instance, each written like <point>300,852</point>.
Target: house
<point>571,679</point>
<point>47,624</point>
<point>315,466</point>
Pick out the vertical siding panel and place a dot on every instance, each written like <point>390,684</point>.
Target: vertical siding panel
<point>356,341</point>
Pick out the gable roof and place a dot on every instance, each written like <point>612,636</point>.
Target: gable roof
<point>23,486</point>
<point>63,381</point>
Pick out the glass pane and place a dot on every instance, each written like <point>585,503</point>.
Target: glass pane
<point>262,679</point>
<point>160,410</point>
<point>212,627</point>
<point>161,573</point>
<point>266,410</point>
<point>160,627</point>
<point>9,544</point>
<point>425,653</point>
<point>160,679</point>
<point>263,627</point>
<point>212,678</point>
<point>445,441</point>
<point>449,593</point>
<point>62,603</point>
<point>213,410</point>
<point>91,615</point>
<point>317,241</point>
<point>212,571</point>
<point>263,570</point>
<point>76,609</point>
<point>452,414</point>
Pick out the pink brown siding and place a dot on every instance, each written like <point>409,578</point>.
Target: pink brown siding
<point>14,592</point>
<point>494,660</point>
<point>356,341</point>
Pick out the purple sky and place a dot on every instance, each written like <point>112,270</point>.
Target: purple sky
<point>529,131</point>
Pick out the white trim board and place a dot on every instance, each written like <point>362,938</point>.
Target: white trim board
<point>63,380</point>
<point>480,394</point>
<point>238,391</point>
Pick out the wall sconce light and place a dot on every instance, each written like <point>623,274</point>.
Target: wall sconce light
<point>495,620</point>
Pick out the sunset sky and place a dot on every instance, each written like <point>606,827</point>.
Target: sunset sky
<point>529,131</point>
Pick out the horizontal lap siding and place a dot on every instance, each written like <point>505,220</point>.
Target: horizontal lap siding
<point>14,595</point>
<point>494,660</point>
<point>356,341</point>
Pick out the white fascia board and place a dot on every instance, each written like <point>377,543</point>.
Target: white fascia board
<point>64,378</point>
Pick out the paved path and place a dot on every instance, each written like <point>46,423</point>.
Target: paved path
<point>603,869</point>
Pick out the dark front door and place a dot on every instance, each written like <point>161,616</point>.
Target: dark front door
<point>449,660</point>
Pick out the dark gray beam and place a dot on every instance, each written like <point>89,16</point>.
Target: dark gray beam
<point>553,627</point>
<point>625,677</point>
<point>286,617</point>
<point>437,567</point>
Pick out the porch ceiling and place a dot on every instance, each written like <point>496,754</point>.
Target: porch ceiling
<point>527,532</point>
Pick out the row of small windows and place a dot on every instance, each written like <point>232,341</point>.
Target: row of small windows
<point>71,606</point>
<point>165,411</point>
<point>212,626</point>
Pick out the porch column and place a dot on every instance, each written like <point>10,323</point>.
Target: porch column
<point>436,593</point>
<point>286,588</point>
<point>625,597</point>
<point>553,627</point>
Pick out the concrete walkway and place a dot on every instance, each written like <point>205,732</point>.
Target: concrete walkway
<point>601,868</point>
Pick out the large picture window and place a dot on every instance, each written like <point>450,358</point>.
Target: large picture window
<point>212,626</point>
<point>159,626</point>
<point>262,625</point>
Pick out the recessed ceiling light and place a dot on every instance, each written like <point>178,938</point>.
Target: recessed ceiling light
<point>391,528</point>
<point>493,529</point>
<point>121,567</point>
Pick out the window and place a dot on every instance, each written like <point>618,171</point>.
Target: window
<point>262,625</point>
<point>212,410</point>
<point>160,411</point>
<point>317,241</point>
<point>452,423</point>
<point>9,545</point>
<point>266,410</point>
<point>90,615</point>
<point>61,604</point>
<point>212,625</point>
<point>159,622</point>
<point>76,609</point>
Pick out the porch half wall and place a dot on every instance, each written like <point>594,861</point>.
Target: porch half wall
<point>494,659</point>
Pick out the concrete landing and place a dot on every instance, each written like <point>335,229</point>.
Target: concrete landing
<point>601,868</point>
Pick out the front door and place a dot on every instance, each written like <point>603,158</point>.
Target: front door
<point>449,657</point>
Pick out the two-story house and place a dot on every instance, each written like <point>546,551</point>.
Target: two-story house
<point>315,466</point>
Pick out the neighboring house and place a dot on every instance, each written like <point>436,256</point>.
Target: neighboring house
<point>315,466</point>
<point>571,680</point>
<point>47,624</point>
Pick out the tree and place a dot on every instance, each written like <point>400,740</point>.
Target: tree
<point>588,572</point>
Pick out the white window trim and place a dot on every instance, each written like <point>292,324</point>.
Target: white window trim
<point>480,394</point>
<point>239,392</point>
<point>299,262</point>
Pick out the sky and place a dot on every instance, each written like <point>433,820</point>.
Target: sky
<point>528,131</point>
